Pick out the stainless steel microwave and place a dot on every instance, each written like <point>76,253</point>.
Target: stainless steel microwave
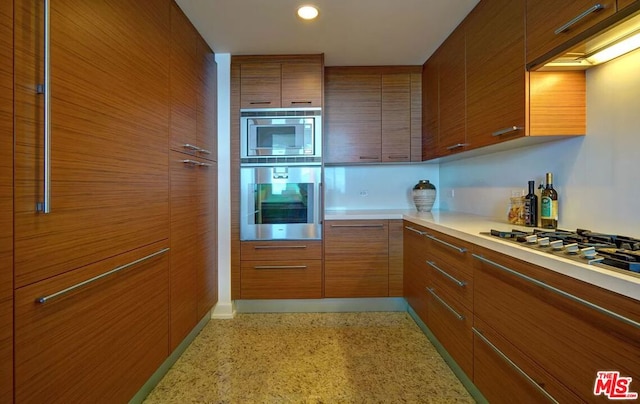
<point>281,136</point>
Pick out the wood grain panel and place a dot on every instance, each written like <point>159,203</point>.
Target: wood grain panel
<point>109,71</point>
<point>282,283</point>
<point>430,107</point>
<point>416,116</point>
<point>353,126</point>
<point>6,202</point>
<point>620,4</point>
<point>557,103</point>
<point>184,81</point>
<point>361,277</point>
<point>396,117</point>
<point>99,343</point>
<point>452,99</point>
<point>235,179</point>
<point>416,274</point>
<point>302,84</point>
<point>207,231</point>
<point>279,250</point>
<point>496,88</point>
<point>584,340</point>
<point>543,17</point>
<point>396,257</point>
<point>260,85</point>
<point>184,253</point>
<point>207,103</point>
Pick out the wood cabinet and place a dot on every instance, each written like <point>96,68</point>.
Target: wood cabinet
<point>356,258</point>
<point>396,258</point>
<point>430,107</point>
<point>416,274</point>
<point>416,116</point>
<point>504,102</point>
<point>552,23</point>
<point>371,114</point>
<point>99,342</point>
<point>289,269</point>
<point>109,112</point>
<point>281,81</point>
<point>620,4</point>
<point>6,202</point>
<point>569,329</point>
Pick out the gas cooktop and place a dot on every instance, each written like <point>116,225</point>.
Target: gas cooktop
<point>604,250</point>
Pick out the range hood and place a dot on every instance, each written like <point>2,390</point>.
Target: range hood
<point>608,39</point>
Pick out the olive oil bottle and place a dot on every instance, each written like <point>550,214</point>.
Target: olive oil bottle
<point>549,205</point>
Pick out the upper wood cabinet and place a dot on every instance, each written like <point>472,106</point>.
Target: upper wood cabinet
<point>430,107</point>
<point>372,114</point>
<point>551,23</point>
<point>624,3</point>
<point>280,81</point>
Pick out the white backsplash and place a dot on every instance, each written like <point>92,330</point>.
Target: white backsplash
<point>596,176</point>
<point>375,187</point>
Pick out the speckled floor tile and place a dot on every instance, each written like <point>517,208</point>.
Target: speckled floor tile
<point>311,358</point>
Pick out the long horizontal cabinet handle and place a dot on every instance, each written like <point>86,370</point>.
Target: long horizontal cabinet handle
<point>434,238</point>
<point>280,267</point>
<point>560,292</point>
<point>301,102</point>
<point>278,247</point>
<point>358,225</point>
<point>578,18</point>
<point>196,163</point>
<point>204,151</point>
<point>45,299</point>
<point>260,102</point>
<point>398,157</point>
<point>369,158</point>
<point>446,306</point>
<point>446,274</point>
<point>422,233</point>
<point>195,148</point>
<point>457,146</point>
<point>505,131</point>
<point>515,367</point>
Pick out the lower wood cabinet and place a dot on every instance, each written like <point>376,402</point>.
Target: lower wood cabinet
<point>415,269</point>
<point>99,342</point>
<point>289,269</point>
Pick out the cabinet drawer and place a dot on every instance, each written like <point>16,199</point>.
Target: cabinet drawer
<point>451,281</point>
<point>350,239</point>
<point>280,250</point>
<point>451,323</point>
<point>455,252</point>
<point>364,277</point>
<point>300,279</point>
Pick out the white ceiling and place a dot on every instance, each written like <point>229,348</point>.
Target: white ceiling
<point>348,32</point>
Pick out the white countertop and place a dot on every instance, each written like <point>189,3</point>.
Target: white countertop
<point>468,227</point>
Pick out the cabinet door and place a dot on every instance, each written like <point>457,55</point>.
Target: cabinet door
<point>356,258</point>
<point>260,85</point>
<point>353,124</point>
<point>301,84</point>
<point>6,201</point>
<point>207,234</point>
<point>283,279</point>
<point>550,23</point>
<point>110,119</point>
<point>572,339</point>
<point>452,100</point>
<point>415,276</point>
<point>396,257</point>
<point>184,253</point>
<point>396,117</point>
<point>430,107</point>
<point>184,82</point>
<point>207,105</point>
<point>98,343</point>
<point>624,3</point>
<point>416,116</point>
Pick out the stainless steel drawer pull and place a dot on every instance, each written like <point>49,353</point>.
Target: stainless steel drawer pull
<point>260,102</point>
<point>577,19</point>
<point>506,130</point>
<point>45,205</point>
<point>443,272</point>
<point>369,158</point>
<point>456,146</point>
<point>300,102</point>
<point>204,151</point>
<point>458,249</point>
<point>280,267</point>
<point>398,157</point>
<point>204,164</point>
<point>190,162</point>
<point>277,247</point>
<point>358,225</point>
<point>45,299</point>
<point>442,302</point>
<point>422,233</point>
<point>513,365</point>
<point>561,292</point>
<point>191,147</point>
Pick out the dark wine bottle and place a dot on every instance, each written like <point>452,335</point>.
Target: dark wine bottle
<point>531,207</point>
<point>549,205</point>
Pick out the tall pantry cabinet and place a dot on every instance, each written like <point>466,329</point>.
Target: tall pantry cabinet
<point>6,201</point>
<point>93,272</point>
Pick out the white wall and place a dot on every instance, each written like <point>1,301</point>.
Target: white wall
<point>375,187</point>
<point>597,176</point>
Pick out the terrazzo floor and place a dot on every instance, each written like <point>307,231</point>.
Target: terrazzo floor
<point>311,358</point>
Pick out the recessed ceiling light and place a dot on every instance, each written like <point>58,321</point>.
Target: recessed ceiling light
<point>308,12</point>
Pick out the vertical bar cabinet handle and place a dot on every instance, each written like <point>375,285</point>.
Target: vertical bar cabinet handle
<point>45,205</point>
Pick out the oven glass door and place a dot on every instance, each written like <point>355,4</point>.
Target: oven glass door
<point>280,202</point>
